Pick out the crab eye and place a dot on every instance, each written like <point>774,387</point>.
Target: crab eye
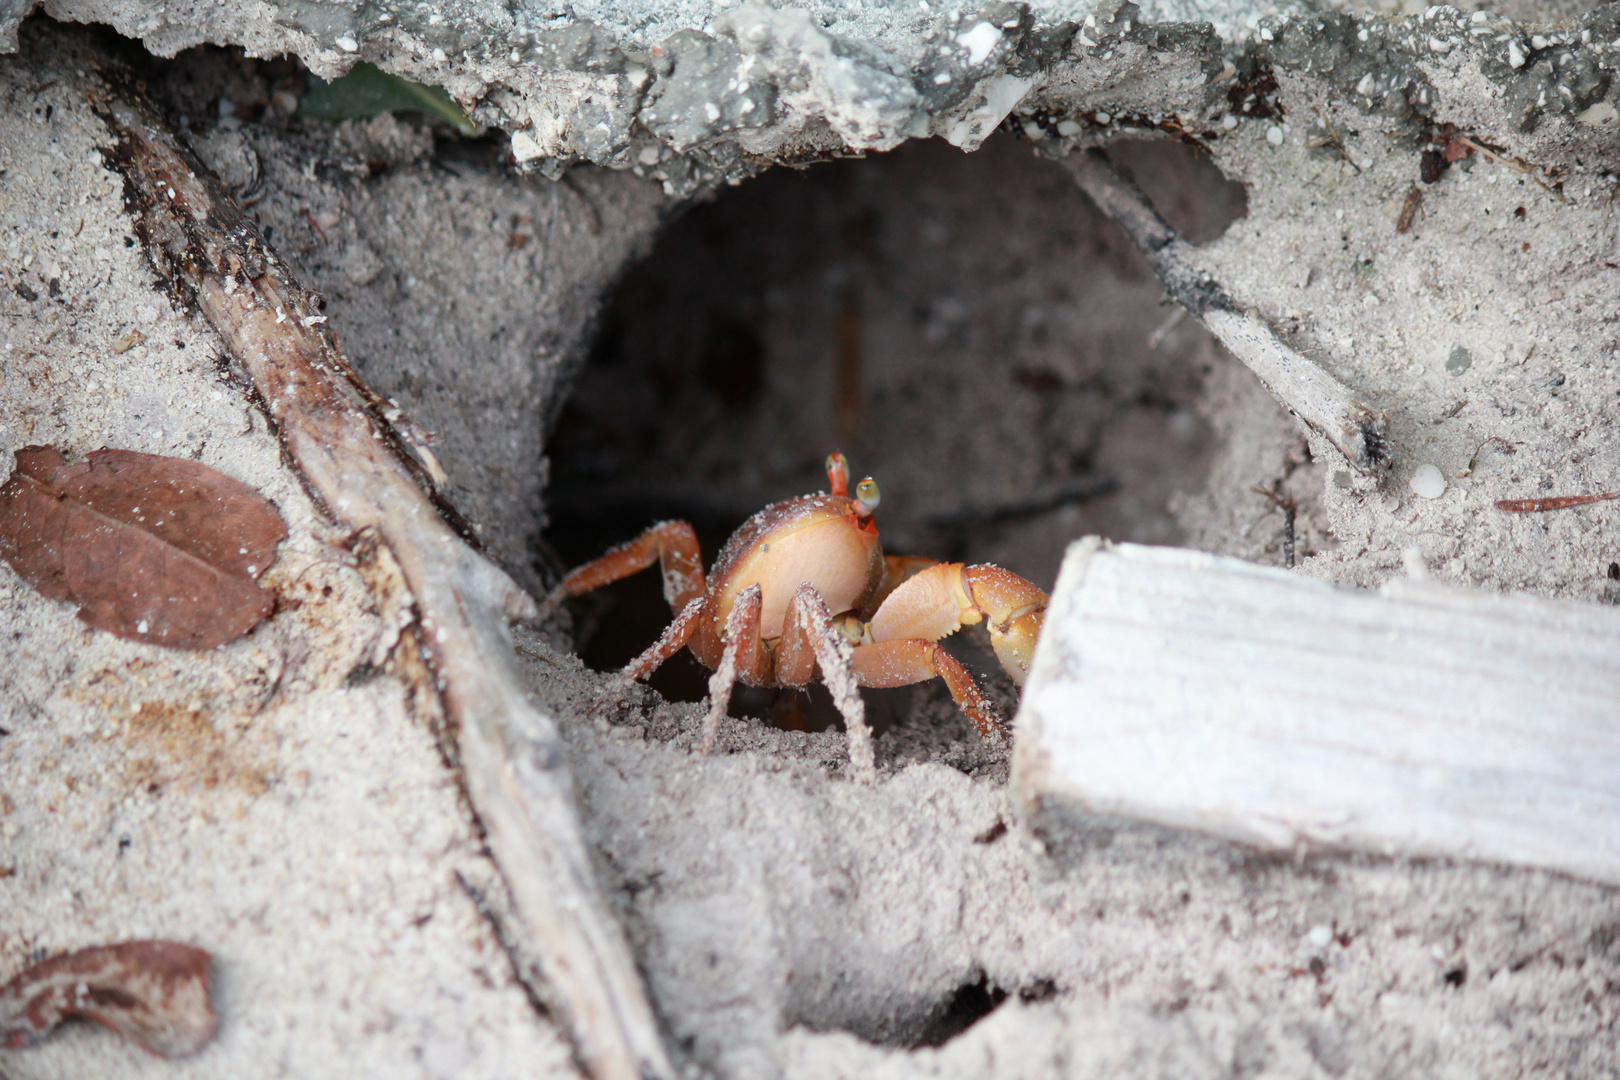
<point>838,473</point>
<point>867,495</point>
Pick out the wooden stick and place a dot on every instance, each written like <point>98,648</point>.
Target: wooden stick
<point>510,755</point>
<point>1556,502</point>
<point>1303,386</point>
<point>1202,692</point>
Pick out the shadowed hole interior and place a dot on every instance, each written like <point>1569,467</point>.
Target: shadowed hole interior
<point>971,1003</point>
<point>967,328</point>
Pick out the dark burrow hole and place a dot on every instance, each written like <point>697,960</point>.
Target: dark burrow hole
<point>966,327</point>
<point>938,1023</point>
<point>971,1003</point>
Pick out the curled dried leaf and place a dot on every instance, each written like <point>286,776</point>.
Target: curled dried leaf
<point>157,993</point>
<point>155,549</point>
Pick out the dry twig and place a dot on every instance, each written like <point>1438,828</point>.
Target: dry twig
<point>364,476</point>
<point>1515,164</point>
<point>1290,510</point>
<point>1555,502</point>
<point>1473,459</point>
<point>1316,397</point>
<point>1409,208</point>
<point>1335,141</point>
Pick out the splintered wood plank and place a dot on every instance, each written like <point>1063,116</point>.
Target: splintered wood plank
<point>1201,692</point>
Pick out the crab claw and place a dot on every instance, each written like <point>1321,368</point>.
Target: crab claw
<point>947,596</point>
<point>1014,609</point>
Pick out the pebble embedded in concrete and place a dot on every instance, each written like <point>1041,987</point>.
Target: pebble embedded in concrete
<point>1427,482</point>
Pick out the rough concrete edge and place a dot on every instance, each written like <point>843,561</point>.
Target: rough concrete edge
<point>758,85</point>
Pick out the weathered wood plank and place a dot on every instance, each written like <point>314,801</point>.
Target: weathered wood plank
<point>1203,692</point>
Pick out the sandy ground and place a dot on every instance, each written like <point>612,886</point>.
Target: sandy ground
<point>1122,950</point>
<point>274,801</point>
<point>277,803</point>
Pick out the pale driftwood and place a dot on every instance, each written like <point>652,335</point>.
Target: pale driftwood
<point>1304,387</point>
<point>1202,692</point>
<point>354,464</point>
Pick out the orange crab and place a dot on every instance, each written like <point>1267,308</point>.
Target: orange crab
<point>804,584</point>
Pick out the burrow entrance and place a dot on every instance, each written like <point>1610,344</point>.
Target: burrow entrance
<point>968,328</point>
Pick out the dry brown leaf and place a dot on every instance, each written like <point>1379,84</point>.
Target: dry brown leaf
<point>154,992</point>
<point>155,549</point>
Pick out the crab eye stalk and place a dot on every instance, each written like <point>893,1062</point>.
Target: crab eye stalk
<point>838,473</point>
<point>867,496</point>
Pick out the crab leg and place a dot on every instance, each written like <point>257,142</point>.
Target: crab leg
<point>808,638</point>
<point>672,544</point>
<point>903,661</point>
<point>670,642</point>
<point>744,656</point>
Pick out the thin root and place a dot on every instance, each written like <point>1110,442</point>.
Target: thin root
<point>1515,164</point>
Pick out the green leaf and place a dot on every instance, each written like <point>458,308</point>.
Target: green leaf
<point>368,90</point>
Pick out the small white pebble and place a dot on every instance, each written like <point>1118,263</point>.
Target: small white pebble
<point>1103,118</point>
<point>1067,128</point>
<point>1320,935</point>
<point>1427,483</point>
<point>1274,135</point>
<point>141,627</point>
<point>348,44</point>
<point>1228,121</point>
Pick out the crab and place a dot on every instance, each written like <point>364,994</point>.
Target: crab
<point>804,584</point>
